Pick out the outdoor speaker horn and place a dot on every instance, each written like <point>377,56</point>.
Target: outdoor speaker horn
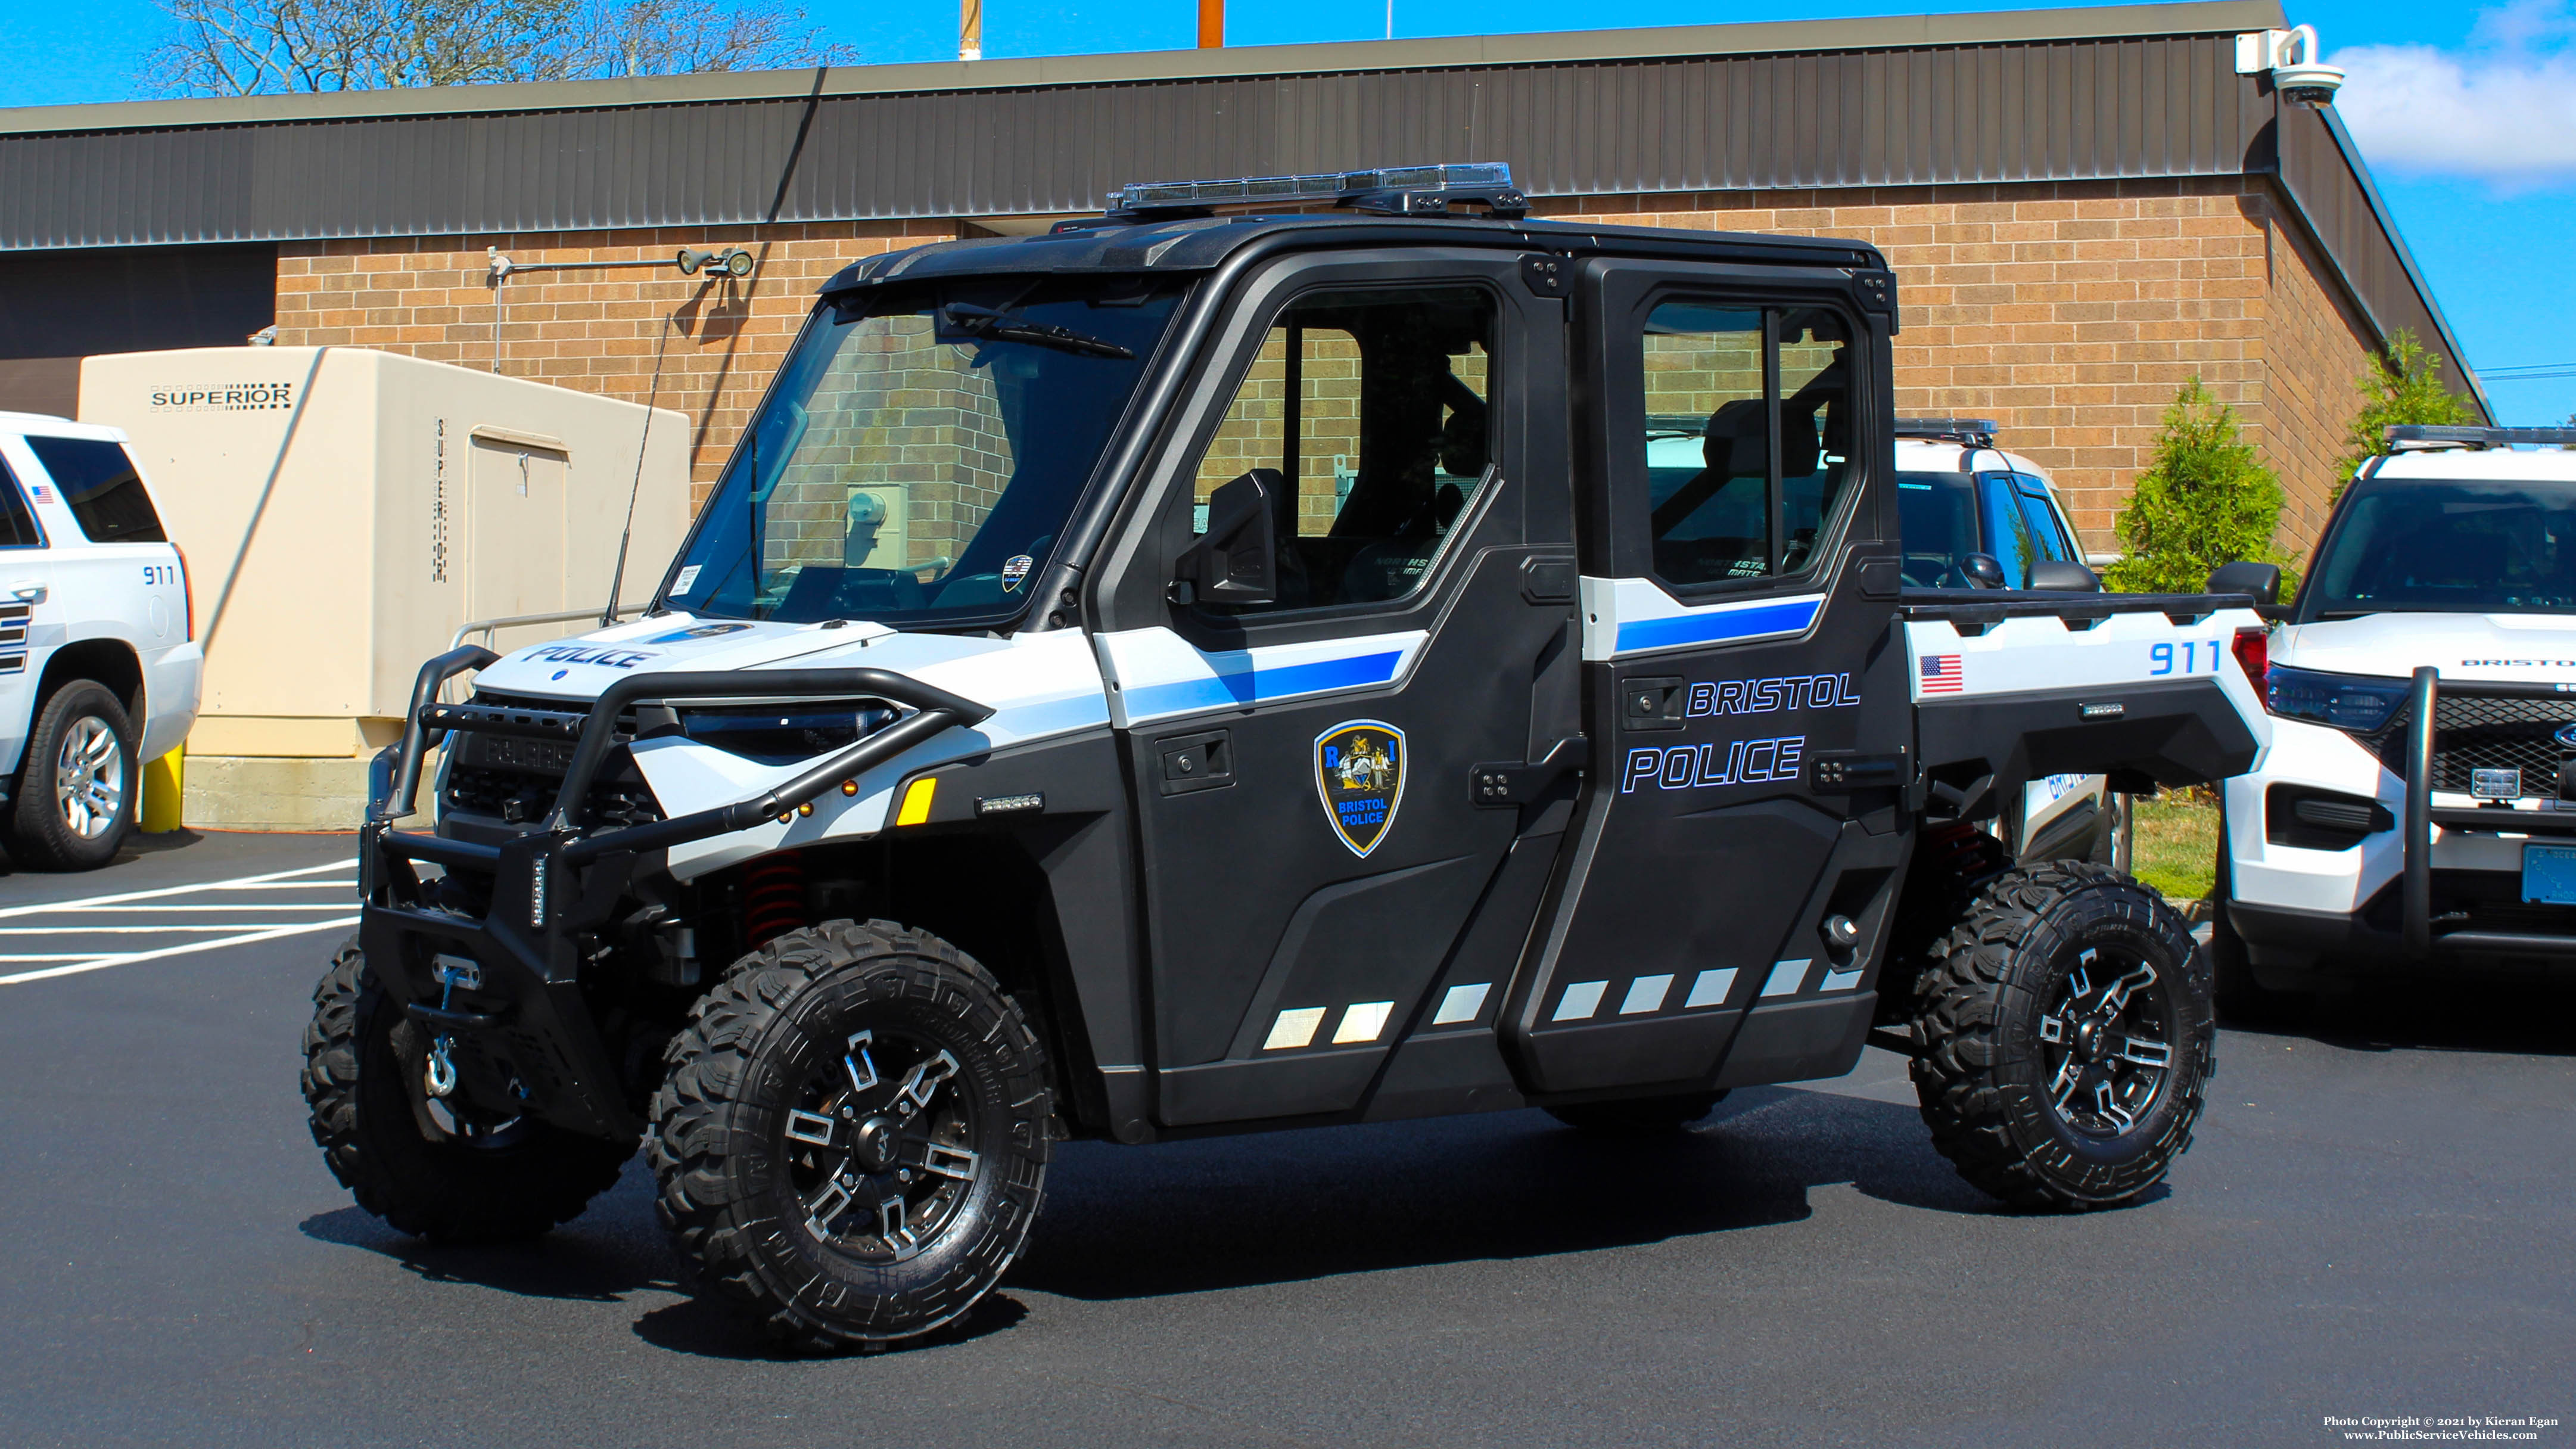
<point>690,260</point>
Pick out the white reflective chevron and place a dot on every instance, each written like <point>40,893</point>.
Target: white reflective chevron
<point>1786,978</point>
<point>1461,1003</point>
<point>1646,994</point>
<point>1709,988</point>
<point>1579,1001</point>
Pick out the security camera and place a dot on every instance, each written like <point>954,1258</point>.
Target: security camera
<point>2290,56</point>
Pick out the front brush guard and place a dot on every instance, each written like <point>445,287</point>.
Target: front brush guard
<point>522,1037</point>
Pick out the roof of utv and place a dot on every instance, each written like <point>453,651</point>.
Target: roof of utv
<point>1202,242</point>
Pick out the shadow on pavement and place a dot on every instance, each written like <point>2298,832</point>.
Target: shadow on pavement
<point>1124,1222</point>
<point>1293,1206</point>
<point>602,1256</point>
<point>2426,1011</point>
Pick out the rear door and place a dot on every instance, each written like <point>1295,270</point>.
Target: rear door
<point>1316,852</point>
<point>1748,706</point>
<point>25,589</point>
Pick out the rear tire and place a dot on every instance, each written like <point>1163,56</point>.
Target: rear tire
<point>516,1180</point>
<point>2067,1038</point>
<point>1638,1116</point>
<point>78,783</point>
<point>853,1137</point>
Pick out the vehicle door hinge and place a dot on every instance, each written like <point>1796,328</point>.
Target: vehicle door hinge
<point>1502,784</point>
<point>1547,273</point>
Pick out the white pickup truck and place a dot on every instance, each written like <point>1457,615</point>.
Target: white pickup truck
<point>99,662</point>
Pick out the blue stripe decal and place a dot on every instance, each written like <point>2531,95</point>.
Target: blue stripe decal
<point>1252,686</point>
<point>1718,626</point>
<point>1082,711</point>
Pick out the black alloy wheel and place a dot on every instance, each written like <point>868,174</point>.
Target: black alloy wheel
<point>2108,1041</point>
<point>852,1137</point>
<point>2065,1037</point>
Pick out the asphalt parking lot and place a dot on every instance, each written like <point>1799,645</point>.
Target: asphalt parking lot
<point>2376,1221</point>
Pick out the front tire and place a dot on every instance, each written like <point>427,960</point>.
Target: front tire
<point>2066,1038</point>
<point>484,1182</point>
<point>76,790</point>
<point>853,1136</point>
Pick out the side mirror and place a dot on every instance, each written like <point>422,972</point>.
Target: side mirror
<point>1237,560</point>
<point>2063,576</point>
<point>1984,571</point>
<point>2262,580</point>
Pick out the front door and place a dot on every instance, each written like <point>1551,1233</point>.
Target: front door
<point>1313,842</point>
<point>1740,844</point>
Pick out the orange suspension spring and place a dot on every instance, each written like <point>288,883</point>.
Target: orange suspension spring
<point>773,898</point>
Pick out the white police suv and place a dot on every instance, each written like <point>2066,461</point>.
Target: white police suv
<point>1977,516</point>
<point>98,656</point>
<point>2418,804</point>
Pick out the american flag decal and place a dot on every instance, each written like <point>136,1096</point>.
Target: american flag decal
<point>1942,674</point>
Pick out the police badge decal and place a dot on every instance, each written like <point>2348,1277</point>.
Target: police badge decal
<point>1359,773</point>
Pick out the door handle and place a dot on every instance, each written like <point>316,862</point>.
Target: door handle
<point>27,592</point>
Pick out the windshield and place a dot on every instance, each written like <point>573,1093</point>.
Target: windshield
<point>1940,516</point>
<point>2452,547</point>
<point>921,452</point>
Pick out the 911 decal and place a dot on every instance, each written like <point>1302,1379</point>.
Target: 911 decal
<point>2191,656</point>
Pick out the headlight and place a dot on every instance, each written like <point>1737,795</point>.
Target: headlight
<point>2346,701</point>
<point>781,734</point>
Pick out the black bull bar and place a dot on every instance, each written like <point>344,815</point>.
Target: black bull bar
<point>502,991</point>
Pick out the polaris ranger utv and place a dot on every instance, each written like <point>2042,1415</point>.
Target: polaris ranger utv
<point>1197,673</point>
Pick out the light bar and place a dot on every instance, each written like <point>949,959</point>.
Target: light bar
<point>2431,435</point>
<point>1400,190</point>
<point>1946,428</point>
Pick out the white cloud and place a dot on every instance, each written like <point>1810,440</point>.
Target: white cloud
<point>2504,111</point>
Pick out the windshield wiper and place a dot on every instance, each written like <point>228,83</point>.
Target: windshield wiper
<point>986,325</point>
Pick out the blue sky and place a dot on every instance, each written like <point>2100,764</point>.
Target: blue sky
<point>2467,113</point>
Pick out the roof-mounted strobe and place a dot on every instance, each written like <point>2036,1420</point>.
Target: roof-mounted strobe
<point>1393,191</point>
<point>1975,432</point>
<point>2413,436</point>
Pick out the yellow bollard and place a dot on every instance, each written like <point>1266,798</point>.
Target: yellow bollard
<point>164,790</point>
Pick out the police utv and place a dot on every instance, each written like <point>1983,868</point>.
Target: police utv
<point>1198,672</point>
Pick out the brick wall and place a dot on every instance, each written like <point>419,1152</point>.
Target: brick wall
<point>2072,312</point>
<point>721,338</point>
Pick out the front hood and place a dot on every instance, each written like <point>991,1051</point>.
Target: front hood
<point>2539,648</point>
<point>578,669</point>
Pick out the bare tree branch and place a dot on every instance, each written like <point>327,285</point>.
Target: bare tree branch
<point>263,47</point>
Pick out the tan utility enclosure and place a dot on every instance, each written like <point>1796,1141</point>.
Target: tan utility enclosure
<point>344,512</point>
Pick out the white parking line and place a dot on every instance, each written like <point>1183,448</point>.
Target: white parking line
<point>170,929</point>
<point>90,902</point>
<point>183,949</point>
<point>194,909</point>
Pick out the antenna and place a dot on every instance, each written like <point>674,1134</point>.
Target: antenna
<point>652,395</point>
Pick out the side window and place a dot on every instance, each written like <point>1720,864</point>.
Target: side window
<point>105,492</point>
<point>2015,544</point>
<point>2044,522</point>
<point>17,525</point>
<point>1372,407</point>
<point>1719,380</point>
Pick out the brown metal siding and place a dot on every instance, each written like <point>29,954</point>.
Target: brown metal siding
<point>2040,111</point>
